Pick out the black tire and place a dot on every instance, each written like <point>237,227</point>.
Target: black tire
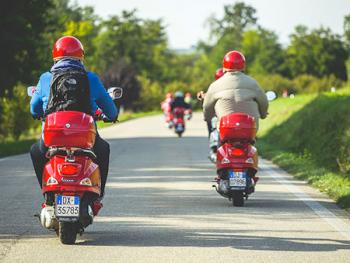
<point>179,134</point>
<point>238,198</point>
<point>68,232</point>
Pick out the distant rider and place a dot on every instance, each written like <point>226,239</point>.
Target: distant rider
<point>68,55</point>
<point>200,96</point>
<point>179,101</point>
<point>166,108</point>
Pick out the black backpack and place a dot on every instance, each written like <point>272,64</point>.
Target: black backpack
<point>69,91</point>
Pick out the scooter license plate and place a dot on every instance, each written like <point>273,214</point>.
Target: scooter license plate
<point>67,206</point>
<point>237,179</point>
<point>179,127</point>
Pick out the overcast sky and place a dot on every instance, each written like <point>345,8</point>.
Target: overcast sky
<point>185,19</point>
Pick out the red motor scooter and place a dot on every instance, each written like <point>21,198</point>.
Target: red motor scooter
<point>236,164</point>
<point>179,121</point>
<point>71,181</point>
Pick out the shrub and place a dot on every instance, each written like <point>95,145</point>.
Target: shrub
<point>15,118</point>
<point>151,95</point>
<point>311,84</point>
<point>276,83</point>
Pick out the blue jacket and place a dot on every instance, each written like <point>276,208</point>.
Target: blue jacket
<point>99,97</point>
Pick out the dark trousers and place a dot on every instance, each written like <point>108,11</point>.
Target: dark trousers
<point>209,127</point>
<point>101,149</point>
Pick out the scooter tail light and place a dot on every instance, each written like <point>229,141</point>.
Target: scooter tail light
<point>237,152</point>
<point>69,169</point>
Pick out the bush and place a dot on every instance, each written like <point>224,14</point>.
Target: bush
<point>301,84</point>
<point>151,95</point>
<point>276,83</point>
<point>15,118</point>
<point>311,84</point>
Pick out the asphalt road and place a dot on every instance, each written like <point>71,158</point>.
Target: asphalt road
<point>160,207</point>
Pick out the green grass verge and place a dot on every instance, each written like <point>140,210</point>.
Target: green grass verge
<point>126,116</point>
<point>11,147</point>
<point>309,136</point>
<point>15,147</point>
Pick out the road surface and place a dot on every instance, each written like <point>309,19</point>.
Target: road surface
<point>160,207</point>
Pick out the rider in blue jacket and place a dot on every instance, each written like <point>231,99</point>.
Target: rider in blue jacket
<point>68,54</point>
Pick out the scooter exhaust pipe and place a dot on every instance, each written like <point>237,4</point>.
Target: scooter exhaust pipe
<point>47,217</point>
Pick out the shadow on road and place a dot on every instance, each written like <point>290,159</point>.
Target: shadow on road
<point>153,236</point>
<point>159,194</point>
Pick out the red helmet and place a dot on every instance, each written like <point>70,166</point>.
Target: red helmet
<point>68,46</point>
<point>233,61</point>
<point>219,73</point>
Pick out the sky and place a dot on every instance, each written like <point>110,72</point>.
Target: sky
<point>185,20</point>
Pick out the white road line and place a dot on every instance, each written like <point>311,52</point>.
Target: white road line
<point>335,222</point>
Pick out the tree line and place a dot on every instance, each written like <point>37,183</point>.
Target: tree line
<point>132,52</point>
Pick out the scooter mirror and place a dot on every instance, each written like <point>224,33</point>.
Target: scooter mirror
<point>31,90</point>
<point>115,92</point>
<point>271,95</point>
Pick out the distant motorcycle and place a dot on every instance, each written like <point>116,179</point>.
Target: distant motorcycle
<point>71,178</point>
<point>179,120</point>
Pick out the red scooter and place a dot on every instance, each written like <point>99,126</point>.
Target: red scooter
<point>179,121</point>
<point>71,179</point>
<point>236,158</point>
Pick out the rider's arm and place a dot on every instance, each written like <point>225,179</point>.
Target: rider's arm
<point>172,106</point>
<point>262,101</point>
<point>209,104</point>
<point>36,103</point>
<point>103,100</point>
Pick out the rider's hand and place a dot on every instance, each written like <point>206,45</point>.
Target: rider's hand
<point>106,119</point>
<point>200,95</point>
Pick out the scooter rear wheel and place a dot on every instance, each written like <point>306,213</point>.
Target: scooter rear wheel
<point>238,198</point>
<point>68,232</point>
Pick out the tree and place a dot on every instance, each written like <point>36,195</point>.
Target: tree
<point>347,31</point>
<point>228,31</point>
<point>137,44</point>
<point>121,74</point>
<point>21,25</point>
<point>236,19</point>
<point>347,40</point>
<point>263,53</point>
<point>318,52</point>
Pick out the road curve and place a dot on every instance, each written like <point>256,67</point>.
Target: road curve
<point>160,207</point>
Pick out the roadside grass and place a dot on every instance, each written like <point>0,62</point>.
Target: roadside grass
<point>12,147</point>
<point>309,136</point>
<point>15,147</point>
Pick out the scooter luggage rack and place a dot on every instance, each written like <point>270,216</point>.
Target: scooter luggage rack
<point>239,141</point>
<point>70,153</point>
